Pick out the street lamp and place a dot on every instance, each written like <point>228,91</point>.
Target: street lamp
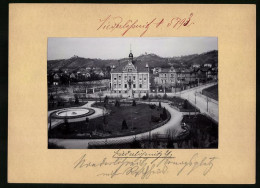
<point>195,96</point>
<point>207,104</point>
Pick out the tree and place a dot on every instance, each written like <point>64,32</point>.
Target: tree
<point>117,104</point>
<point>135,144</point>
<point>185,104</point>
<point>147,96</point>
<point>76,99</point>
<point>51,98</point>
<point>87,120</point>
<point>160,106</point>
<point>106,100</point>
<point>124,125</point>
<point>165,96</point>
<point>164,113</point>
<point>134,103</point>
<point>64,89</point>
<point>100,94</point>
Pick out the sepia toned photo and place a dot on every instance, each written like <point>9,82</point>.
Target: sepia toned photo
<point>133,93</point>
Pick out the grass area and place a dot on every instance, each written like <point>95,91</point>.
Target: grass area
<point>138,119</point>
<point>182,104</point>
<point>211,92</point>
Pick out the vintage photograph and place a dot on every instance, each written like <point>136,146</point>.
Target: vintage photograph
<point>133,93</point>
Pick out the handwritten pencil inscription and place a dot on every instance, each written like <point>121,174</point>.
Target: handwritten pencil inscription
<point>143,164</point>
<point>111,23</point>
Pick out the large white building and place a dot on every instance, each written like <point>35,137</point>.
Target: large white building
<point>130,77</point>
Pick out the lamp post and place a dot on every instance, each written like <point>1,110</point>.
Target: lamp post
<point>195,97</point>
<point>49,127</point>
<point>207,104</point>
<point>132,118</point>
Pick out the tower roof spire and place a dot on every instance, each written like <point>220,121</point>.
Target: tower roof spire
<point>130,54</point>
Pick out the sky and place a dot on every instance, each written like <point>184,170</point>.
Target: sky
<point>117,48</point>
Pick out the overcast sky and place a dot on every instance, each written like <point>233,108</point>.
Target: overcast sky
<point>116,48</point>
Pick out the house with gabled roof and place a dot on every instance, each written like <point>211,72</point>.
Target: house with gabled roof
<point>130,77</point>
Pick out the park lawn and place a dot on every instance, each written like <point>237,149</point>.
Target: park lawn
<point>137,117</point>
<point>211,92</point>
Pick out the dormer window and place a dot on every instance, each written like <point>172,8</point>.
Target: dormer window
<point>129,70</point>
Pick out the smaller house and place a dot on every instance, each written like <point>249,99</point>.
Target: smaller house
<point>207,65</point>
<point>157,70</point>
<point>196,66</point>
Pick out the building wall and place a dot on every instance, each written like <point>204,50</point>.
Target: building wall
<point>119,82</point>
<point>167,78</point>
<point>172,78</point>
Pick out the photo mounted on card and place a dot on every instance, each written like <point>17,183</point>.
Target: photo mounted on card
<point>104,93</point>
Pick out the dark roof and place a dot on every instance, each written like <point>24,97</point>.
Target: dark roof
<point>141,66</point>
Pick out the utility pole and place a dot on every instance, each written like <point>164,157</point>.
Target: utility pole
<point>195,96</point>
<point>132,117</point>
<point>207,104</point>
<point>49,128</point>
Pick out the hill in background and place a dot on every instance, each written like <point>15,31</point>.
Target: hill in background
<point>75,63</point>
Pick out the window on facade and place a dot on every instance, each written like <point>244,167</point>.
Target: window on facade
<point>133,85</point>
<point>125,77</point>
<point>125,85</point>
<point>119,85</point>
<point>133,77</point>
<point>119,77</point>
<point>119,91</point>
<point>115,78</point>
<point>165,75</point>
<point>114,85</point>
<point>144,78</point>
<point>129,70</point>
<point>140,85</point>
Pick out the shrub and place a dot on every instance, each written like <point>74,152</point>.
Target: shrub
<point>106,100</point>
<point>165,96</point>
<point>134,103</point>
<point>164,115</point>
<point>160,106</point>
<point>117,104</point>
<point>54,146</point>
<point>155,119</point>
<point>124,125</point>
<point>76,99</point>
<point>185,104</point>
<point>144,97</point>
<point>152,106</point>
<point>135,144</point>
<point>51,98</point>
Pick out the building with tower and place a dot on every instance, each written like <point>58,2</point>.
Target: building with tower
<point>130,78</point>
